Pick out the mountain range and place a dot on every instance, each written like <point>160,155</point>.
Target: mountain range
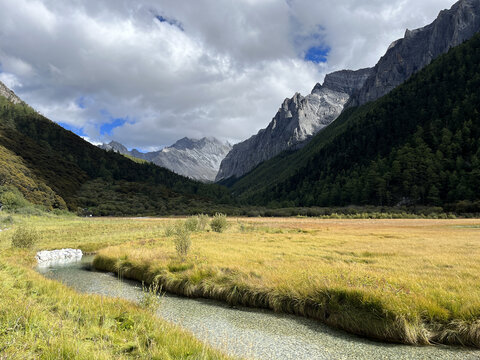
<point>196,159</point>
<point>301,117</point>
<point>405,132</point>
<point>419,144</point>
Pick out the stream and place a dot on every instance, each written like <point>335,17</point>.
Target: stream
<point>248,333</point>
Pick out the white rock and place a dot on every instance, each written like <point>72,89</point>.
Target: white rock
<point>62,256</point>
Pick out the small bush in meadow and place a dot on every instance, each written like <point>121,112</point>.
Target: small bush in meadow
<point>219,223</point>
<point>24,238</point>
<point>182,241</point>
<point>12,199</point>
<point>191,224</point>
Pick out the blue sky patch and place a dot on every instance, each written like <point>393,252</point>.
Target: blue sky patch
<point>317,54</point>
<point>170,21</point>
<point>107,128</point>
<point>73,129</point>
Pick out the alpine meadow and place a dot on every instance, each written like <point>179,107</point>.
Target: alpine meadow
<point>150,210</point>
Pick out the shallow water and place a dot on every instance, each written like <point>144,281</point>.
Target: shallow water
<point>252,334</point>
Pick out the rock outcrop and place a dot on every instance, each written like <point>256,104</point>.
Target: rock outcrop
<point>63,256</point>
<point>196,159</point>
<point>297,120</point>
<point>9,94</point>
<point>418,48</point>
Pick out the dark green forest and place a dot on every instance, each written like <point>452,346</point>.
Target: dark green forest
<point>57,169</point>
<point>419,145</point>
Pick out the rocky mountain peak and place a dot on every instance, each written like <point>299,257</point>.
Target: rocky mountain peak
<point>195,158</point>
<point>184,143</point>
<point>418,48</point>
<point>297,120</point>
<point>115,146</point>
<point>9,94</point>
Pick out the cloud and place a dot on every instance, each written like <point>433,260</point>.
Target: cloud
<point>149,72</point>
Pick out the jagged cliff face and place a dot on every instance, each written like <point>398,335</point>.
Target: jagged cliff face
<point>297,120</point>
<point>418,48</point>
<point>196,159</point>
<point>9,94</point>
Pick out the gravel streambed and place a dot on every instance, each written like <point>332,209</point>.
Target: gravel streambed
<point>249,333</point>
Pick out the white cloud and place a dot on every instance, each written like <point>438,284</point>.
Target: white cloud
<point>223,72</point>
<point>10,80</point>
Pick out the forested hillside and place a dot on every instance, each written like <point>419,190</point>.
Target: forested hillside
<point>417,145</point>
<point>55,168</point>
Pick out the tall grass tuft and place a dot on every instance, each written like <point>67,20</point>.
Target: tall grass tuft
<point>202,221</point>
<point>169,230</point>
<point>150,299</point>
<point>182,241</point>
<point>219,223</point>
<point>24,238</point>
<point>191,224</point>
<point>5,221</point>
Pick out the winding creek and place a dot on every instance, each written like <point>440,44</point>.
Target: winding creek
<point>248,333</point>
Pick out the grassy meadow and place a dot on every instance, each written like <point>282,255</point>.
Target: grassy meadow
<point>43,319</point>
<point>411,281</point>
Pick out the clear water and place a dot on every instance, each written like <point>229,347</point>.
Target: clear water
<point>249,333</point>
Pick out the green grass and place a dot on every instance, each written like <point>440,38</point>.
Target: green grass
<point>43,319</point>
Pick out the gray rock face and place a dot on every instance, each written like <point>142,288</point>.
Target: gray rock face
<point>196,159</point>
<point>9,94</point>
<point>297,120</point>
<point>418,48</point>
<point>115,146</point>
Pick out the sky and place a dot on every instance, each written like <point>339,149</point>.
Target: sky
<point>149,72</point>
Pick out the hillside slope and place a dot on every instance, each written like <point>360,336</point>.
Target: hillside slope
<point>417,145</point>
<point>55,168</point>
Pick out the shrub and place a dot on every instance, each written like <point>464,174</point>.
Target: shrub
<point>24,238</point>
<point>202,221</point>
<point>191,224</point>
<point>182,241</point>
<point>219,223</point>
<point>12,199</point>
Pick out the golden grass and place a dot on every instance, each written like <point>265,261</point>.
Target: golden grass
<point>412,281</point>
<point>43,319</point>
